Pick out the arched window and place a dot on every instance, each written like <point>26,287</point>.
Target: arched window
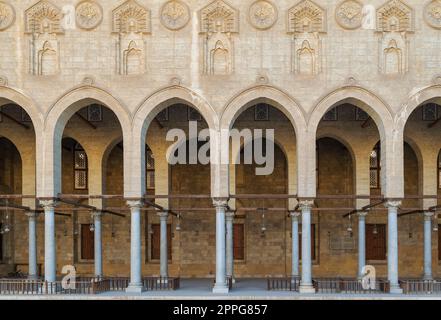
<point>150,169</point>
<point>80,167</point>
<point>374,163</point>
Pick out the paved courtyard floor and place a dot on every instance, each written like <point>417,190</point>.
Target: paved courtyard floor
<point>200,289</point>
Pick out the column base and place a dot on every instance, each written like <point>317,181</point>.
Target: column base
<point>427,278</point>
<point>220,288</point>
<point>306,289</point>
<point>135,288</point>
<point>395,289</point>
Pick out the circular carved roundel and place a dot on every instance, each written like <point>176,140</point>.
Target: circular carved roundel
<point>263,14</point>
<point>175,15</point>
<point>349,14</point>
<point>7,15</point>
<point>88,15</point>
<point>432,14</point>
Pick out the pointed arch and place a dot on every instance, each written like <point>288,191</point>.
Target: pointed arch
<point>55,121</point>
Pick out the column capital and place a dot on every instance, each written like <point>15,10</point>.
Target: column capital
<point>48,203</point>
<point>294,214</point>
<point>392,203</point>
<point>306,203</point>
<point>220,202</point>
<point>32,214</point>
<point>362,214</point>
<point>162,214</point>
<point>229,214</point>
<point>135,203</point>
<point>96,214</point>
<point>428,215</point>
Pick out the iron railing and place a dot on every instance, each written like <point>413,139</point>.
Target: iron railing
<point>349,286</point>
<point>39,287</point>
<point>418,286</point>
<point>82,285</point>
<point>161,283</point>
<point>283,284</point>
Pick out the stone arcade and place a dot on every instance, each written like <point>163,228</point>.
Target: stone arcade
<point>352,89</point>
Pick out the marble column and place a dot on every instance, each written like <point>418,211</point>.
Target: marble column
<point>361,243</point>
<point>33,269</point>
<point>163,216</point>
<point>98,244</point>
<point>428,246</point>
<point>306,282</point>
<point>50,248</point>
<point>229,244</point>
<point>295,244</point>
<point>135,285</point>
<point>392,246</point>
<point>220,285</point>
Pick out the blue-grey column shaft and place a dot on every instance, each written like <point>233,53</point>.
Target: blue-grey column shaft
<point>229,243</point>
<point>392,255</point>
<point>33,272</point>
<point>163,216</point>
<point>98,245</point>
<point>428,246</point>
<point>306,282</point>
<point>221,283</point>
<point>135,285</point>
<point>295,270</point>
<point>50,254</point>
<point>361,243</point>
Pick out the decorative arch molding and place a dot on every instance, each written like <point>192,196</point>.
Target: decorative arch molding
<point>144,115</point>
<point>290,108</point>
<point>415,100</point>
<point>269,94</point>
<point>48,150</point>
<point>8,95</point>
<point>149,108</point>
<point>376,107</point>
<point>81,96</point>
<point>391,141</point>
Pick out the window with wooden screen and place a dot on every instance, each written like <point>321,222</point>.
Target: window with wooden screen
<point>430,112</point>
<point>150,170</point>
<point>313,242</point>
<point>80,167</point>
<point>374,164</point>
<point>155,242</point>
<point>239,241</point>
<point>375,242</point>
<point>87,243</point>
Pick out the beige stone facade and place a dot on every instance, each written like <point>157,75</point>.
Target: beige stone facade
<point>137,58</point>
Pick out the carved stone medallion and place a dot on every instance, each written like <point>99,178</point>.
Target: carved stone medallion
<point>7,16</point>
<point>263,14</point>
<point>349,14</point>
<point>432,14</point>
<point>88,15</point>
<point>175,15</point>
